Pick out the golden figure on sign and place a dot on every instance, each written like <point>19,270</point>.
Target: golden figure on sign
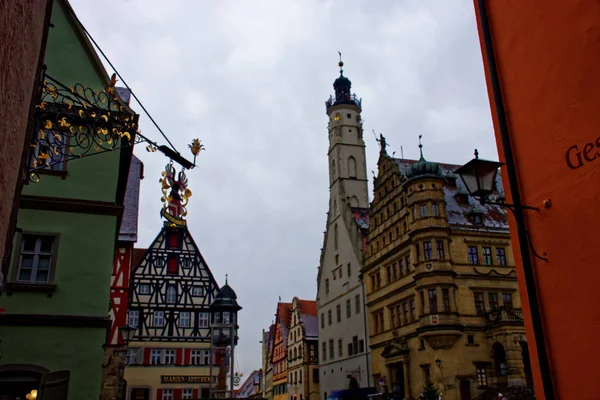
<point>175,194</point>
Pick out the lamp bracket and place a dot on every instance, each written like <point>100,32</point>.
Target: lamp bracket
<point>511,207</point>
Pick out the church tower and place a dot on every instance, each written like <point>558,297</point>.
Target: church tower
<point>343,332</point>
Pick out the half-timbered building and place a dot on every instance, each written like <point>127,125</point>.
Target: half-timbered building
<point>171,291</point>
<point>112,382</point>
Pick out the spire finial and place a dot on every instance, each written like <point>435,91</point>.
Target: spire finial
<point>341,63</point>
<point>226,275</point>
<point>420,146</point>
<point>476,154</point>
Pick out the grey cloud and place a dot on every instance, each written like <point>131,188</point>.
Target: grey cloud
<point>250,79</point>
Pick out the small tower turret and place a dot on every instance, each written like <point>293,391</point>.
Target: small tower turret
<point>342,87</point>
<point>224,309</point>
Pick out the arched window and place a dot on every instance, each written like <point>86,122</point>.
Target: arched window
<point>351,167</point>
<point>500,362</point>
<point>171,294</point>
<point>335,237</point>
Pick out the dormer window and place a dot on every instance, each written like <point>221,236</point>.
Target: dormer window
<point>477,219</point>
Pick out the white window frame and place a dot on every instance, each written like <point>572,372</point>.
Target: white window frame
<point>184,322</point>
<point>144,286</point>
<point>200,292</point>
<point>36,253</point>
<point>133,319</point>
<point>195,357</point>
<point>133,356</point>
<point>155,356</point>
<point>158,319</point>
<point>203,320</point>
<point>205,357</point>
<point>226,317</point>
<point>171,295</point>
<point>187,393</point>
<point>168,394</point>
<point>169,356</point>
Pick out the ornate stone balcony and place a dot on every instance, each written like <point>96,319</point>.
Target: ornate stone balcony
<point>505,315</point>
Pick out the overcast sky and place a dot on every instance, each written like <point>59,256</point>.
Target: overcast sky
<point>250,78</point>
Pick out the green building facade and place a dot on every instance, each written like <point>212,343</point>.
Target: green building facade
<point>56,297</point>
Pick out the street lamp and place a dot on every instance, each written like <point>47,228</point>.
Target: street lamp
<point>127,333</point>
<point>479,177</point>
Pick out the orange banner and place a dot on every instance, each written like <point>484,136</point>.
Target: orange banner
<point>545,104</point>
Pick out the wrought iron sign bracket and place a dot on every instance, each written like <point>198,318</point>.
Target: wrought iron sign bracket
<point>512,207</point>
<point>78,121</point>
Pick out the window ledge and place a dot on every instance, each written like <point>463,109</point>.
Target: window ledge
<point>62,173</point>
<point>30,287</point>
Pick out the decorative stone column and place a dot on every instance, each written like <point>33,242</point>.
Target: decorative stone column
<point>452,294</point>
<point>407,391</point>
<point>514,362</point>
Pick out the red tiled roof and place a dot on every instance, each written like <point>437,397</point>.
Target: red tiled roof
<point>308,307</point>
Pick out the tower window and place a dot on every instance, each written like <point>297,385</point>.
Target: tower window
<point>352,167</point>
<point>349,115</point>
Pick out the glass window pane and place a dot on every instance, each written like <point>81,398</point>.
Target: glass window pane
<point>24,274</point>
<point>42,276</point>
<point>46,244</point>
<point>44,262</point>
<point>28,243</point>
<point>26,261</point>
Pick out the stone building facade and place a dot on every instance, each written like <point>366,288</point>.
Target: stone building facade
<point>442,293</point>
<point>302,343</point>
<point>343,355</point>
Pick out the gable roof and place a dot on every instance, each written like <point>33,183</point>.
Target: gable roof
<point>308,318</point>
<point>269,338</point>
<point>284,314</point>
<point>493,216</point>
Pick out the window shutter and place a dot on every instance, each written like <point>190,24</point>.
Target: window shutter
<point>172,265</point>
<point>178,394</point>
<point>173,240</point>
<point>146,356</point>
<point>55,385</point>
<point>195,395</point>
<point>179,357</point>
<point>159,394</point>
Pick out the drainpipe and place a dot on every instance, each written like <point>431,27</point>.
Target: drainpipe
<point>362,285</point>
<point>536,318</point>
